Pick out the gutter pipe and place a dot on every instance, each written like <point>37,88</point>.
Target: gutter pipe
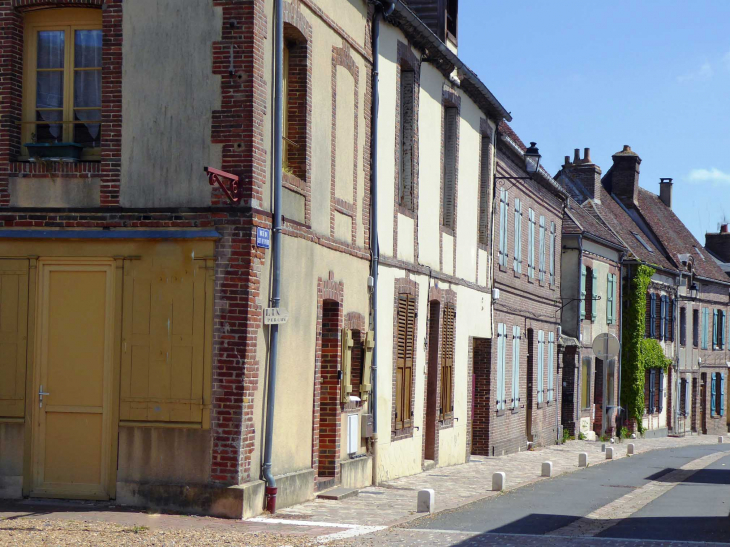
<point>579,332</point>
<point>382,9</point>
<point>270,491</point>
<point>620,335</point>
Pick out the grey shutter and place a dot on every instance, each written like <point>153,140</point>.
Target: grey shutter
<point>451,119</point>
<point>485,189</point>
<point>661,391</point>
<point>651,391</point>
<point>407,120</point>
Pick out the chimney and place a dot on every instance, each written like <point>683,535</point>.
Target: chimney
<point>625,176</point>
<point>665,191</point>
<point>719,244</point>
<point>587,173</point>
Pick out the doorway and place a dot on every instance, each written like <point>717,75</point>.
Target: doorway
<point>530,381</point>
<point>73,379</point>
<point>703,403</point>
<point>432,395</point>
<point>598,425</point>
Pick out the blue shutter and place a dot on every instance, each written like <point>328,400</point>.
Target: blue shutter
<point>594,288</point>
<point>652,315</point>
<point>651,391</point>
<point>583,291</point>
<point>714,391</point>
<point>661,391</point>
<point>722,394</point>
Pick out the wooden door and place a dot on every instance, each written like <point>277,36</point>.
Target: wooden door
<point>703,404</point>
<point>72,384</point>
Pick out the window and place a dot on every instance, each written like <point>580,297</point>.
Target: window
<point>540,365</point>
<point>516,338</point>
<point>696,328</point>
<point>671,318</point>
<point>583,277</point>
<point>531,245</point>
<point>407,119</point>
<point>683,326</point>
<point>405,356</point>
<point>503,218</point>
<point>296,88</point>
<point>517,263</point>
<point>651,315</point>
<point>451,122</point>
<point>717,404</point>
<point>541,256</point>
<point>550,353</point>
<point>663,317</point>
<point>644,243</point>
<point>611,299</point>
<point>447,362</point>
<point>683,396</point>
<point>485,190</point>
<point>501,357</point>
<point>62,88</point>
<point>452,11</point>
<point>591,283</point>
<point>718,341</point>
<point>653,391</point>
<point>553,237</point>
<point>705,327</point>
<point>585,383</point>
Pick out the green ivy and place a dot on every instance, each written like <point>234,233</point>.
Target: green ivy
<point>635,346</point>
<point>653,356</point>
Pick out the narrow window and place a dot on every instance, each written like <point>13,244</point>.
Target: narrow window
<point>294,97</point>
<point>610,298</point>
<point>451,121</point>
<point>715,328</point>
<point>553,236</point>
<point>658,327</point>
<point>407,120</point>
<point>452,11</point>
<point>540,365</point>
<point>503,216</point>
<point>593,293</point>
<point>583,293</point>
<point>683,326</point>
<point>501,357</point>
<point>695,328</point>
<point>515,367</point>
<point>550,355</point>
<point>721,329</point>
<point>541,255</point>
<point>705,327</point>
<point>517,263</point>
<point>651,315</point>
<point>589,298</point>
<point>485,189</point>
<point>585,383</point>
<point>447,362</point>
<point>659,391</point>
<point>531,245</point>
<point>405,356</point>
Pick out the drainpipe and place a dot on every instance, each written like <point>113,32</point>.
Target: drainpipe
<point>620,333</point>
<point>270,492</point>
<point>579,332</point>
<point>384,9</point>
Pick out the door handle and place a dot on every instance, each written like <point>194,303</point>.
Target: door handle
<point>41,393</point>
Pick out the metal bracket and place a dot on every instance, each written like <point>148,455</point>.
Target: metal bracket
<point>225,180</point>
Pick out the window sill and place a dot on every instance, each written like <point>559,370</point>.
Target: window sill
<point>446,230</point>
<point>406,212</point>
<point>500,413</point>
<point>400,434</point>
<point>516,410</point>
<point>502,268</point>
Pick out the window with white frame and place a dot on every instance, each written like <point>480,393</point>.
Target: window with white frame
<point>515,367</point>
<point>503,218</point>
<point>531,244</point>
<point>517,263</point>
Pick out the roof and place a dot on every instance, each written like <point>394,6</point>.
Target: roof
<point>423,38</point>
<point>724,266</point>
<point>580,220</point>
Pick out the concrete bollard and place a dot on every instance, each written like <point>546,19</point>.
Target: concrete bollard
<point>630,449</point>
<point>720,439</point>
<point>633,435</point>
<point>583,459</point>
<point>609,453</point>
<point>603,447</point>
<point>498,481</point>
<point>547,469</point>
<point>426,501</point>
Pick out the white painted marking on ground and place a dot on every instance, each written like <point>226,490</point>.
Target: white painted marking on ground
<point>265,520</point>
<point>354,532</point>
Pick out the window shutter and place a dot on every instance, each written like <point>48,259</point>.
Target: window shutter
<point>594,287</point>
<point>551,346</point>
<point>714,329</point>
<point>447,362</point>
<point>517,260</point>
<point>407,118</point>
<point>660,405</point>
<point>540,365</point>
<point>653,315</point>
<point>13,336</point>
<point>503,215</point>
<point>583,291</point>
<point>651,391</point>
<point>686,397</point>
<point>401,336</point>
<point>485,190</point>
<point>705,326</point>
<point>673,317</point>
<point>501,335</point>
<point>531,245</point>
<point>664,310</point>
<point>541,256</point>
<point>722,394</point>
<point>451,120</point>
<point>721,329</point>
<point>714,391</point>
<point>346,382</point>
<point>515,366</point>
<point>553,236</point>
<point>365,383</point>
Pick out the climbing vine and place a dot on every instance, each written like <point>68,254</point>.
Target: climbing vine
<point>634,346</point>
<point>653,356</point>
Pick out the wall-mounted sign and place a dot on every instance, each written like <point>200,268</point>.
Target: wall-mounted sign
<point>275,316</point>
<point>263,238</point>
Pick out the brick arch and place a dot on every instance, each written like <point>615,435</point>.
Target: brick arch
<point>355,321</point>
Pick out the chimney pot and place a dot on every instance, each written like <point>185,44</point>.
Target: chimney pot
<point>576,156</point>
<point>567,160</point>
<point>665,191</point>
<point>627,148</point>
<point>725,229</point>
<point>625,177</point>
<point>587,155</point>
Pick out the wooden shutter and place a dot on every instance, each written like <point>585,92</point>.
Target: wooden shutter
<point>13,336</point>
<point>722,394</point>
<point>553,236</point>
<point>714,391</point>
<point>517,259</point>
<point>503,216</point>
<point>451,120</point>
<point>652,320</point>
<point>346,384</point>
<point>485,185</point>
<point>165,366</point>
<point>407,121</point>
<point>664,305</point>
<point>660,389</point>
<point>365,382</point>
<point>447,362</point>
<point>609,297</point>
<point>515,366</point>
<point>540,365</point>
<point>714,329</point>
<point>531,245</point>
<point>651,390</point>
<point>541,255</point>
<point>594,287</point>
<point>583,273</point>
<point>404,360</point>
<point>682,325</point>
<point>551,349</point>
<point>501,341</point>
<point>687,397</point>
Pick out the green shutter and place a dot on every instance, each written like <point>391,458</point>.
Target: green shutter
<point>609,302</point>
<point>582,292</point>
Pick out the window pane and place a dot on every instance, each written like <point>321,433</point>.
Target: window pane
<point>49,132</point>
<point>49,91</point>
<point>87,88</point>
<point>86,134</point>
<point>87,49</point>
<point>51,48</point>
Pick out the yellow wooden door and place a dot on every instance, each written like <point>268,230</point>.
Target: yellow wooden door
<point>72,385</point>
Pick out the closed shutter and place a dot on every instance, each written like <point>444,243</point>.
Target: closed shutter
<point>705,327</point>
<point>501,341</point>
<point>404,360</point>
<point>651,390</point>
<point>517,260</point>
<point>672,319</point>
<point>346,383</point>
<point>610,294</point>
<point>451,121</point>
<point>714,391</point>
<point>551,346</point>
<point>660,389</point>
<point>541,255</point>
<point>365,382</point>
<point>540,365</point>
<point>503,217</point>
<point>663,318</point>
<point>485,190</point>
<point>594,288</point>
<point>652,320</point>
<point>13,336</point>
<point>552,253</point>
<point>722,394</point>
<point>407,122</point>
<point>714,329</point>
<point>447,362</point>
<point>165,314</point>
<point>531,245</point>
<point>515,366</point>
<point>721,329</point>
<point>687,398</point>
<point>583,273</point>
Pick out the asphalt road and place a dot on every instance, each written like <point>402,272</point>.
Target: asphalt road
<point>694,510</point>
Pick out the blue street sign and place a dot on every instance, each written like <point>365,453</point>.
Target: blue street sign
<point>263,238</point>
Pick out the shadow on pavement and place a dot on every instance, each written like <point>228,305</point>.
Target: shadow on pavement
<point>703,476</point>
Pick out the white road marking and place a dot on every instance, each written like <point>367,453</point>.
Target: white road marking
<point>351,533</point>
<point>349,530</point>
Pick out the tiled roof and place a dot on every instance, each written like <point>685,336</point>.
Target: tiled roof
<point>584,222</point>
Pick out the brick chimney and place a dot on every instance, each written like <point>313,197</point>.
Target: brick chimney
<point>625,176</point>
<point>584,171</point>
<point>719,243</point>
<point>665,191</point>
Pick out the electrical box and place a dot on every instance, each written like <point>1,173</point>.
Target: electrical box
<point>366,425</point>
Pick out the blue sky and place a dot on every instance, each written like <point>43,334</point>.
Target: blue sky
<point>651,74</point>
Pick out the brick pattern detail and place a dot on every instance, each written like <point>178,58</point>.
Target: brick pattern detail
<point>485,187</point>
<point>404,285</point>
<point>326,409</point>
<point>480,353</point>
<point>449,98</point>
<point>407,60</point>
<point>341,56</point>
<point>11,99</point>
<point>356,323</point>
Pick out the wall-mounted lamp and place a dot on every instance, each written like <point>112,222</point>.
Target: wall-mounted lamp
<point>532,158</point>
<point>694,291</point>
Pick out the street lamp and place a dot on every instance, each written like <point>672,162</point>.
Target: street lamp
<point>532,159</point>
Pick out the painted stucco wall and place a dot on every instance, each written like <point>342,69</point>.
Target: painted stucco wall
<point>169,94</point>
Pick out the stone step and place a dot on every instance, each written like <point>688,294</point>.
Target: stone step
<point>428,465</point>
<point>339,493</point>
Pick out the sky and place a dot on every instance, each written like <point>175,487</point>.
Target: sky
<point>648,73</point>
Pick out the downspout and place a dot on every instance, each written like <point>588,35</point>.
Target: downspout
<point>270,492</point>
<point>620,332</point>
<point>579,332</point>
<point>384,8</point>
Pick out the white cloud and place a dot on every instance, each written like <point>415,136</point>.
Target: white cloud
<point>705,72</point>
<point>713,176</point>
